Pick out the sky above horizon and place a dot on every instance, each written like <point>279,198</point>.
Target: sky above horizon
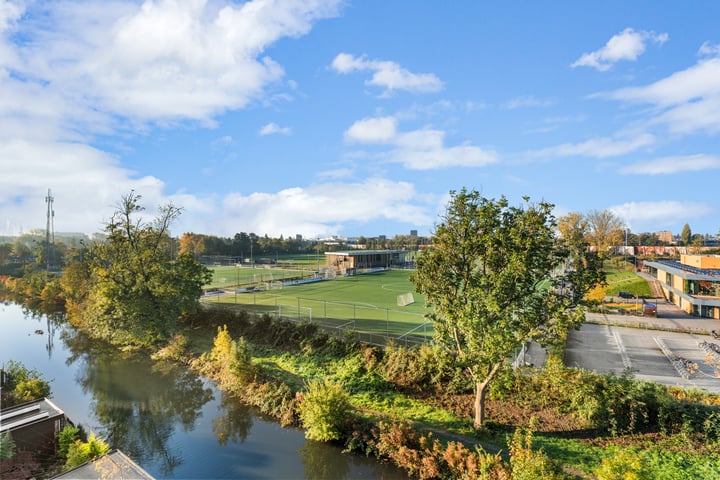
<point>326,117</point>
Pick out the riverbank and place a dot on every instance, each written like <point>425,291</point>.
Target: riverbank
<point>559,405</point>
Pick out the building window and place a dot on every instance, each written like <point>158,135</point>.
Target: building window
<point>668,278</point>
<point>707,311</point>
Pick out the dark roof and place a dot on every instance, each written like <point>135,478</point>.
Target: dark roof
<point>113,465</point>
<point>688,268</point>
<point>28,413</point>
<point>355,253</point>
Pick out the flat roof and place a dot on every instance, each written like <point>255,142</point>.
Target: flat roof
<point>28,413</point>
<point>355,253</point>
<point>113,465</point>
<point>673,264</point>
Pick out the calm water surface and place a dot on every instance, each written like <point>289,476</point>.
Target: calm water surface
<point>170,421</point>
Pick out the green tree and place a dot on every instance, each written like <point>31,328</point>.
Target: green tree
<point>686,235</point>
<point>139,289</point>
<point>496,277</point>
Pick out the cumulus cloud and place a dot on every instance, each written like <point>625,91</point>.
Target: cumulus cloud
<point>163,60</point>
<point>686,101</point>
<point>86,183</point>
<point>673,165</point>
<point>422,149</point>
<point>658,215</point>
<point>372,130</point>
<point>626,45</point>
<point>274,129</point>
<point>600,147</point>
<point>88,68</point>
<point>323,209</point>
<point>387,74</point>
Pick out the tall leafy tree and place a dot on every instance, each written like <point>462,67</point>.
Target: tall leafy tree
<point>605,229</point>
<point>496,276</point>
<point>686,235</point>
<point>139,289</point>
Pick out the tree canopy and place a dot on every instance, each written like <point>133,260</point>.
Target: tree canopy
<point>497,276</point>
<point>136,288</point>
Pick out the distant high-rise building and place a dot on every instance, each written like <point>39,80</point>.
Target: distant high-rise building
<point>665,236</point>
<point>413,233</point>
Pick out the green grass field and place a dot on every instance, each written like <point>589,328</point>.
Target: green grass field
<point>231,276</point>
<point>364,303</point>
<point>622,278</point>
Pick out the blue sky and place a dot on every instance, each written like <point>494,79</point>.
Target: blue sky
<point>322,117</point>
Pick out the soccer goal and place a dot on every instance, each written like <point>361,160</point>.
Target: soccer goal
<point>294,311</point>
<point>405,299</point>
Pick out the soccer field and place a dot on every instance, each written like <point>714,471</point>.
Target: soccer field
<point>232,276</point>
<point>364,303</point>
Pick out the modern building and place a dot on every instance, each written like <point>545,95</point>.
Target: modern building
<point>33,425</point>
<point>350,263</point>
<point>693,283</point>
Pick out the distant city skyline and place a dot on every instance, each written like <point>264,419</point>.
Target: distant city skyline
<point>329,117</point>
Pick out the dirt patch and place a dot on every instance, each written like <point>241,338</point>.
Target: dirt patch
<point>508,414</point>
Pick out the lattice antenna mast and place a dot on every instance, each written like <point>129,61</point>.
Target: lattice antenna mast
<point>50,228</point>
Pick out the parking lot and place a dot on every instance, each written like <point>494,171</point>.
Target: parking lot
<point>653,355</point>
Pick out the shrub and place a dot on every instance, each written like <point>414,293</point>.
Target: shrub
<point>527,464</point>
<point>325,411</point>
<point>7,446</point>
<point>81,452</point>
<point>67,436</point>
<point>624,464</point>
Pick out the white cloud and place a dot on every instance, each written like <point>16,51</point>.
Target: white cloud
<point>422,149</point>
<point>86,183</point>
<point>687,101</point>
<point>273,128</point>
<point>601,147</point>
<point>322,209</point>
<point>673,165</point>
<point>372,130</point>
<point>387,74</point>
<point>626,45</point>
<point>658,215</point>
<point>528,102</point>
<point>708,48</point>
<point>164,60</point>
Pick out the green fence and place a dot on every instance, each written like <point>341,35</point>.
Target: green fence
<point>367,323</point>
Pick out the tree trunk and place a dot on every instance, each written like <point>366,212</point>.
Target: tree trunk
<point>480,390</point>
<point>480,404</point>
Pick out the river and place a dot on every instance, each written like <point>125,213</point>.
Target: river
<point>172,422</point>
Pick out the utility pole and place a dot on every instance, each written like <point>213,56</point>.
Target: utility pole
<point>50,229</point>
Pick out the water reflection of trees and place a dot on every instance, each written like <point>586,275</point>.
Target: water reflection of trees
<point>139,403</point>
<point>234,421</point>
<point>321,461</point>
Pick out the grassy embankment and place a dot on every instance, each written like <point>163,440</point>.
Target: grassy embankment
<point>568,435</point>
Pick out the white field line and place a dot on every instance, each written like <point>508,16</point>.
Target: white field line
<point>621,346</point>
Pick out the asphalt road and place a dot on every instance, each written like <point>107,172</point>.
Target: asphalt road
<point>661,350</point>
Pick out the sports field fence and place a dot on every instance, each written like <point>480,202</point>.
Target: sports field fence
<point>362,322</point>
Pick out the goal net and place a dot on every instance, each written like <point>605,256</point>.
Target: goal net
<point>295,312</point>
<point>405,299</point>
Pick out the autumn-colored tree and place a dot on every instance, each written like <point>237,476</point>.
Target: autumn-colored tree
<point>605,230</point>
